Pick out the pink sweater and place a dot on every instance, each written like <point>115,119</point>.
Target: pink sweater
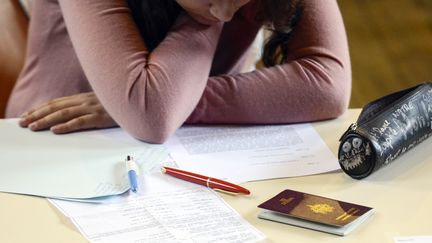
<point>192,76</point>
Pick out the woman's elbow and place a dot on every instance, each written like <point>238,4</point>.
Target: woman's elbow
<point>158,135</point>
<point>339,105</point>
<point>152,131</point>
<point>339,93</point>
<point>154,138</point>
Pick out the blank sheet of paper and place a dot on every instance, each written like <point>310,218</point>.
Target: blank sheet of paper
<point>78,165</point>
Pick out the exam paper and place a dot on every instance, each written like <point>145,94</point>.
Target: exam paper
<point>78,165</point>
<point>164,210</point>
<point>249,153</point>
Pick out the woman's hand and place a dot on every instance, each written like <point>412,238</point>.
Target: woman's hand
<point>68,114</point>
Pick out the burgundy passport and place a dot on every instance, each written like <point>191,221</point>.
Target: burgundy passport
<point>315,212</point>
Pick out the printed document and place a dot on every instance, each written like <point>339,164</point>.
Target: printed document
<point>249,153</point>
<point>78,165</point>
<point>165,209</point>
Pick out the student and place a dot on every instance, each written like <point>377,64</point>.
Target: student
<point>149,66</point>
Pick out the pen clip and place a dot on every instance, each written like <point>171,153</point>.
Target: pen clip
<point>226,192</point>
<point>231,189</point>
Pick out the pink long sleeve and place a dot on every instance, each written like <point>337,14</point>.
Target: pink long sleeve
<point>80,46</point>
<point>149,94</point>
<point>314,84</point>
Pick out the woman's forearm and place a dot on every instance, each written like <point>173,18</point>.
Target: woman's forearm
<point>314,84</point>
<point>148,94</point>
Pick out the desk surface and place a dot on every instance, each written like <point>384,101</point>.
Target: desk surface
<point>400,193</point>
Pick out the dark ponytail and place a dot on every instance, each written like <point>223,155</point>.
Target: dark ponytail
<point>281,16</point>
<point>154,18</point>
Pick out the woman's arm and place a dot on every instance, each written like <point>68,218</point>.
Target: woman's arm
<point>148,94</point>
<point>314,84</point>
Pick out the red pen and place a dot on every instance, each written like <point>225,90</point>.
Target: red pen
<point>205,181</point>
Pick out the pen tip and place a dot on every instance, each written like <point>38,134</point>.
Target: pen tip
<point>128,158</point>
<point>244,191</point>
<point>163,169</point>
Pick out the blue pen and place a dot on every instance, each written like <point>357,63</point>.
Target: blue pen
<point>132,170</point>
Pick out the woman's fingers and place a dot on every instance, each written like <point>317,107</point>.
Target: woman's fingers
<point>78,123</point>
<point>88,121</point>
<point>68,114</point>
<point>46,109</point>
<point>57,117</point>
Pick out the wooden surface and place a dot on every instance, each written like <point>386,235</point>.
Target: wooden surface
<point>390,44</point>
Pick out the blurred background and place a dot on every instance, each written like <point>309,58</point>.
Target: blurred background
<point>390,43</point>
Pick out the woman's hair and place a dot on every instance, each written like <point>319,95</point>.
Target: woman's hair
<point>154,19</point>
<point>280,16</point>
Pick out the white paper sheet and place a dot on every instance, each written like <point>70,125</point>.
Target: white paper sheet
<point>413,239</point>
<point>164,210</point>
<point>249,153</point>
<point>78,165</point>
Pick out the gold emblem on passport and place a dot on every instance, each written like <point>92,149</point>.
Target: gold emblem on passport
<point>321,208</point>
<point>285,201</point>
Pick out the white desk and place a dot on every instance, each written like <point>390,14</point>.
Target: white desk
<point>401,195</point>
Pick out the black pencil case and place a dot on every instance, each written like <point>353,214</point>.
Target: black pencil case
<point>385,129</point>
